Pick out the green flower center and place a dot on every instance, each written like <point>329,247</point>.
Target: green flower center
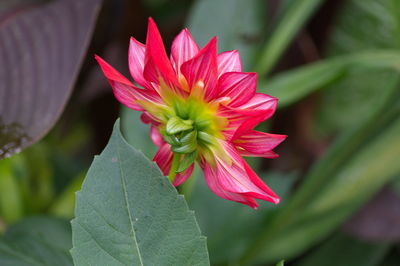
<point>192,127</point>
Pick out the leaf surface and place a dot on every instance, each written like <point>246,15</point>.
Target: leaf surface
<point>128,213</point>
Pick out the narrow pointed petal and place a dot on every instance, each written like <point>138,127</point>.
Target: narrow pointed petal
<point>183,49</point>
<point>127,93</point>
<point>182,177</point>
<point>136,63</point>
<point>156,63</point>
<point>229,61</point>
<point>156,137</point>
<point>271,196</point>
<point>163,158</point>
<point>268,154</point>
<point>240,87</point>
<point>258,144</point>
<point>237,177</point>
<point>245,117</point>
<point>203,69</point>
<point>211,176</point>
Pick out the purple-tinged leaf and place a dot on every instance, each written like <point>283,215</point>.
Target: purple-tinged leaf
<point>379,220</point>
<point>42,44</point>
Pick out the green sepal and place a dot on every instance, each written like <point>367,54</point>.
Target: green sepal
<point>172,140</point>
<point>188,143</point>
<point>205,137</point>
<point>188,159</point>
<point>176,125</point>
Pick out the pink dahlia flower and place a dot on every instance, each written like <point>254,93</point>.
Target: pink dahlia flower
<point>202,108</point>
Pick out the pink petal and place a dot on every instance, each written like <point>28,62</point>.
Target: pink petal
<point>183,49</point>
<point>148,118</point>
<point>163,158</point>
<point>240,87</point>
<point>245,117</point>
<point>229,61</point>
<point>235,180</point>
<point>258,144</point>
<point>136,63</point>
<point>268,154</point>
<point>156,137</point>
<point>156,62</point>
<point>272,197</point>
<point>203,68</point>
<point>211,176</point>
<point>182,177</point>
<point>124,90</point>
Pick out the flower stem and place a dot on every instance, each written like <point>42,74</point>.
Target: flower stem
<point>174,166</point>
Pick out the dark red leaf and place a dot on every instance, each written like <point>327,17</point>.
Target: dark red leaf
<point>42,44</point>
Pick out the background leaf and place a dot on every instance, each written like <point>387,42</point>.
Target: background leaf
<point>295,15</point>
<point>41,49</point>
<point>330,195</point>
<point>344,250</point>
<point>37,241</point>
<point>359,26</point>
<point>227,239</point>
<point>294,85</point>
<point>128,213</point>
<point>233,34</point>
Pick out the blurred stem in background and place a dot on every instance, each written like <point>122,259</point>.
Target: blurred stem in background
<point>293,19</point>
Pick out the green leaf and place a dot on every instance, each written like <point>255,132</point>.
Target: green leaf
<point>11,196</point>
<point>352,252</point>
<point>281,263</point>
<point>128,213</point>
<point>37,241</point>
<point>359,26</point>
<point>305,222</point>
<point>209,18</point>
<point>293,85</point>
<point>64,204</point>
<point>295,16</point>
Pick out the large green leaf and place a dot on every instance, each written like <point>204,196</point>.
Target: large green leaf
<point>128,213</point>
<point>237,24</point>
<point>37,241</point>
<point>359,26</point>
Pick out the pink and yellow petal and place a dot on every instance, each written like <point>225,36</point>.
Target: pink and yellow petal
<point>183,49</point>
<point>258,144</point>
<point>127,93</point>
<point>201,71</point>
<point>239,87</point>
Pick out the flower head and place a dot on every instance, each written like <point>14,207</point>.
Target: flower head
<point>202,108</point>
